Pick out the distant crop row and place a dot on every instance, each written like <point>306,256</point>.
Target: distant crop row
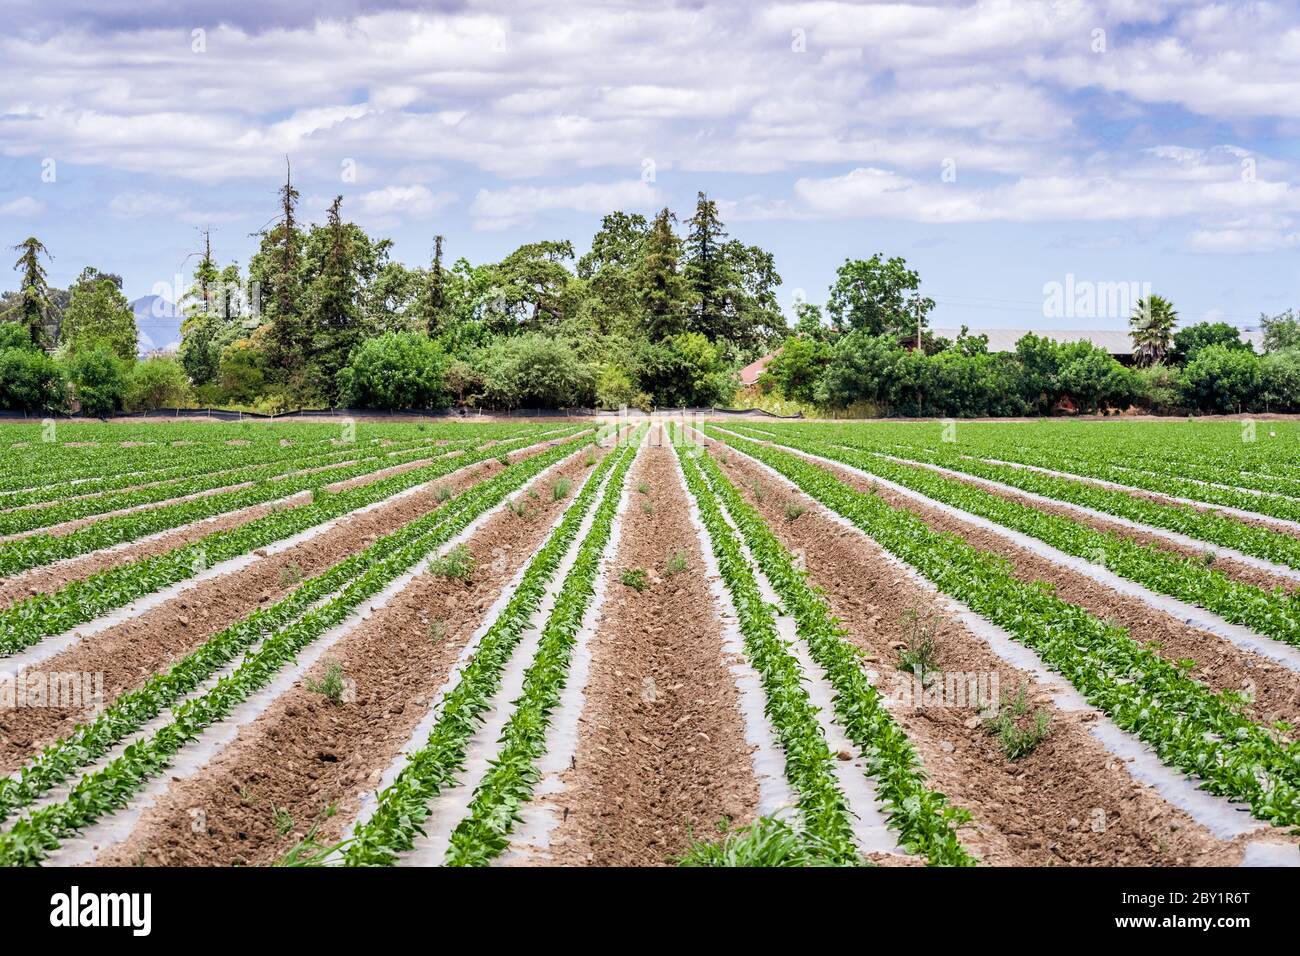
<point>1275,614</point>
<point>31,620</point>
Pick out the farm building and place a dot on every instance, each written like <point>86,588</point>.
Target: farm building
<point>1115,341</point>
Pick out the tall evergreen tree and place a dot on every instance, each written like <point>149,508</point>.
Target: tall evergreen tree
<point>206,326</point>
<point>202,296</point>
<point>276,273</point>
<point>332,312</point>
<point>707,270</point>
<point>437,295</point>
<point>663,291</point>
<point>230,296</point>
<point>35,290</point>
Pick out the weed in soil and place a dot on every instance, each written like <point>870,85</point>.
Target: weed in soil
<point>331,686</point>
<point>1018,732</point>
<point>456,565</point>
<point>921,653</point>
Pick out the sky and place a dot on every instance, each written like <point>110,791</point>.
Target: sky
<point>1007,149</point>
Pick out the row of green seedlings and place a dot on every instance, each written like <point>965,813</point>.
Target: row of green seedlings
<point>1171,451</point>
<point>44,507</point>
<point>116,466</point>
<point>1274,614</point>
<point>44,468</point>
<point>1273,505</point>
<point>1191,727</point>
<point>1210,465</point>
<point>132,710</point>
<point>31,620</point>
<point>926,822</point>
<point>824,831</point>
<point>403,807</point>
<point>1208,526</point>
<point>42,549</point>
<point>1019,731</point>
<point>33,836</point>
<point>1213,461</point>
<point>268,483</point>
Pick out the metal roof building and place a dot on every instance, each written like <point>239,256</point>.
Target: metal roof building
<point>1115,341</point>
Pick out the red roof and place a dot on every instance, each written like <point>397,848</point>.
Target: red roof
<point>750,373</point>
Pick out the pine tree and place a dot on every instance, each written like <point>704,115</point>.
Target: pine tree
<point>207,276</point>
<point>662,289</point>
<point>35,290</point>
<point>283,246</point>
<point>332,312</point>
<point>437,295</point>
<point>203,326</point>
<point>229,297</point>
<point>707,270</point>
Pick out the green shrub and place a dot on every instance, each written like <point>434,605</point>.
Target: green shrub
<point>1221,379</point>
<point>99,377</point>
<point>457,564</point>
<point>156,383</point>
<point>395,370</point>
<point>29,379</point>
<point>535,370</point>
<point>331,686</point>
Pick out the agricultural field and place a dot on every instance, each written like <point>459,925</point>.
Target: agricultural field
<point>650,642</point>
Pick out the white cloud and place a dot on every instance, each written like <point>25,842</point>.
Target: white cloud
<point>139,205</point>
<point>504,208</point>
<point>407,200</point>
<point>1241,241</point>
<point>1173,184</point>
<point>23,207</point>
<point>565,102</point>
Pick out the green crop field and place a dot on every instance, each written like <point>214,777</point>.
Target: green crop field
<point>649,641</point>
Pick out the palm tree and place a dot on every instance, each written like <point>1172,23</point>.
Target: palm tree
<point>1152,325</point>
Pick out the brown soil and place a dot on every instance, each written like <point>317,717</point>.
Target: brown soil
<point>1044,809</point>
<point>305,754</point>
<point>129,653</point>
<point>1220,664</point>
<point>661,752</point>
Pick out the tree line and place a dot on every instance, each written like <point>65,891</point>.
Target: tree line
<point>659,312</point>
<point>865,360</point>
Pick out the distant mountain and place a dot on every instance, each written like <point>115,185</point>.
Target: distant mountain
<point>157,323</point>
